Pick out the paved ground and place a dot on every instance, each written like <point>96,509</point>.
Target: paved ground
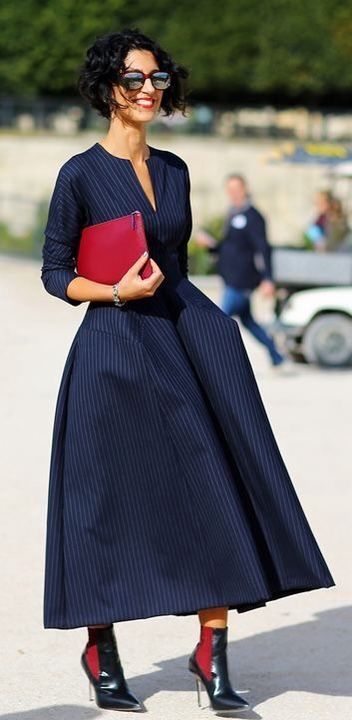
<point>292,658</point>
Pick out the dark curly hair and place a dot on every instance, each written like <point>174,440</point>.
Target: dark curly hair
<point>105,59</point>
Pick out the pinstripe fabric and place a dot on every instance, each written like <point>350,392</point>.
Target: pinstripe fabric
<point>167,490</point>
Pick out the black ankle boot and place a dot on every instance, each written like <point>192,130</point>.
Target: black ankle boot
<point>208,662</point>
<point>101,663</point>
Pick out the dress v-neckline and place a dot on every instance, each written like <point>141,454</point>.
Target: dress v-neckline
<point>152,181</point>
<point>152,178</point>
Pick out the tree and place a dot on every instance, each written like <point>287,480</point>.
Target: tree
<point>288,50</point>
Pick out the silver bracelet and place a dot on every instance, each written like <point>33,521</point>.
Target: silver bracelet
<point>115,292</point>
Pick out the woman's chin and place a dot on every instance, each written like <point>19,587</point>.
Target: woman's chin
<point>143,114</point>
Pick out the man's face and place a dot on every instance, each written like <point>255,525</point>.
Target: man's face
<point>236,191</point>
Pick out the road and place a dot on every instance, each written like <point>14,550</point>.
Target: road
<point>292,659</point>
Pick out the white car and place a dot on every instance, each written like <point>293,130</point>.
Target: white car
<point>317,324</point>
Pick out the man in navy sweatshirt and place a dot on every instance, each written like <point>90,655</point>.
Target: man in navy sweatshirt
<point>243,260</point>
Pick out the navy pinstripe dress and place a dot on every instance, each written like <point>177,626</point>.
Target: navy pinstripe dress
<point>167,491</point>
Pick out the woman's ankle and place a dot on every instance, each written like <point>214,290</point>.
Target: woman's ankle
<point>98,626</point>
<point>214,617</point>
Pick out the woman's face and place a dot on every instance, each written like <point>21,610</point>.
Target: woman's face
<point>141,105</point>
<point>322,202</point>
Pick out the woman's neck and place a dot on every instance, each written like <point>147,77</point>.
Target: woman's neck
<point>126,141</point>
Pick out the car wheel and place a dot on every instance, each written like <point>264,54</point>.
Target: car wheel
<point>328,340</point>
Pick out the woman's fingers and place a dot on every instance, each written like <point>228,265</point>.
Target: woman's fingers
<point>132,285</point>
<point>137,266</point>
<point>154,280</point>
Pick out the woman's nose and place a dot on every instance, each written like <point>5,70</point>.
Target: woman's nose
<point>148,85</point>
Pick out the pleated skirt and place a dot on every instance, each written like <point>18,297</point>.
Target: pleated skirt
<point>167,490</point>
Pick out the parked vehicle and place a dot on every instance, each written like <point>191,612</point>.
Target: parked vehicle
<point>314,307</point>
<point>317,325</point>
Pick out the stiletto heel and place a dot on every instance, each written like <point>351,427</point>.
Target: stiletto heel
<point>101,663</point>
<point>208,662</point>
<point>198,686</point>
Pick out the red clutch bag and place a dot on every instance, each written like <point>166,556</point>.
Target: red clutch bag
<point>108,249</point>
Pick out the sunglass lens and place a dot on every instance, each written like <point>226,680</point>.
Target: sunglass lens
<point>161,80</point>
<point>133,80</point>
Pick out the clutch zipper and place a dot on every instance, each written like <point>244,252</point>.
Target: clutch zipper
<point>134,222</point>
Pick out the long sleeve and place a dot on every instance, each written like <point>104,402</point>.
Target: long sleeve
<point>258,237</point>
<point>182,248</point>
<point>62,232</point>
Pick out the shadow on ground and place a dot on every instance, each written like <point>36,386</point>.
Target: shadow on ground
<point>58,712</point>
<point>313,657</point>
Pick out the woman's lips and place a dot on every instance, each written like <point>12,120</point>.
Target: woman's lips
<point>145,103</point>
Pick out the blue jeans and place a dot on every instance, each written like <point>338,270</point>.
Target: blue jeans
<point>237,302</point>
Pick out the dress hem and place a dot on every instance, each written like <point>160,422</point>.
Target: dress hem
<point>240,607</point>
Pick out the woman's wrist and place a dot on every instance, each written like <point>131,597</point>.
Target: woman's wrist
<point>117,299</point>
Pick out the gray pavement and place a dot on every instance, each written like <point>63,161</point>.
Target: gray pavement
<point>292,659</point>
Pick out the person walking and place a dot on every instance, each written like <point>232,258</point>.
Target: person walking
<point>244,261</point>
<point>167,492</point>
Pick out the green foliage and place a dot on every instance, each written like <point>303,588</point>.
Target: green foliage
<point>214,226</point>
<point>201,262</point>
<point>303,47</point>
<point>285,48</point>
<point>198,263</point>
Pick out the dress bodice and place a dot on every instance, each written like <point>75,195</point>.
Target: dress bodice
<point>94,186</point>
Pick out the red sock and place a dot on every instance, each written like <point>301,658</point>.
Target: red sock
<point>204,650</point>
<point>91,653</point>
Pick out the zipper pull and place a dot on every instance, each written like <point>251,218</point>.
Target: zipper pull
<point>134,219</point>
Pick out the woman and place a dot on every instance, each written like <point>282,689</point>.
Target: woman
<point>167,494</point>
<point>316,233</point>
<point>337,228</point>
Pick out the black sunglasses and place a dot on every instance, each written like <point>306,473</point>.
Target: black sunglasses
<point>135,79</point>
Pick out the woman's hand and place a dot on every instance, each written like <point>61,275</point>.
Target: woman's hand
<point>133,287</point>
